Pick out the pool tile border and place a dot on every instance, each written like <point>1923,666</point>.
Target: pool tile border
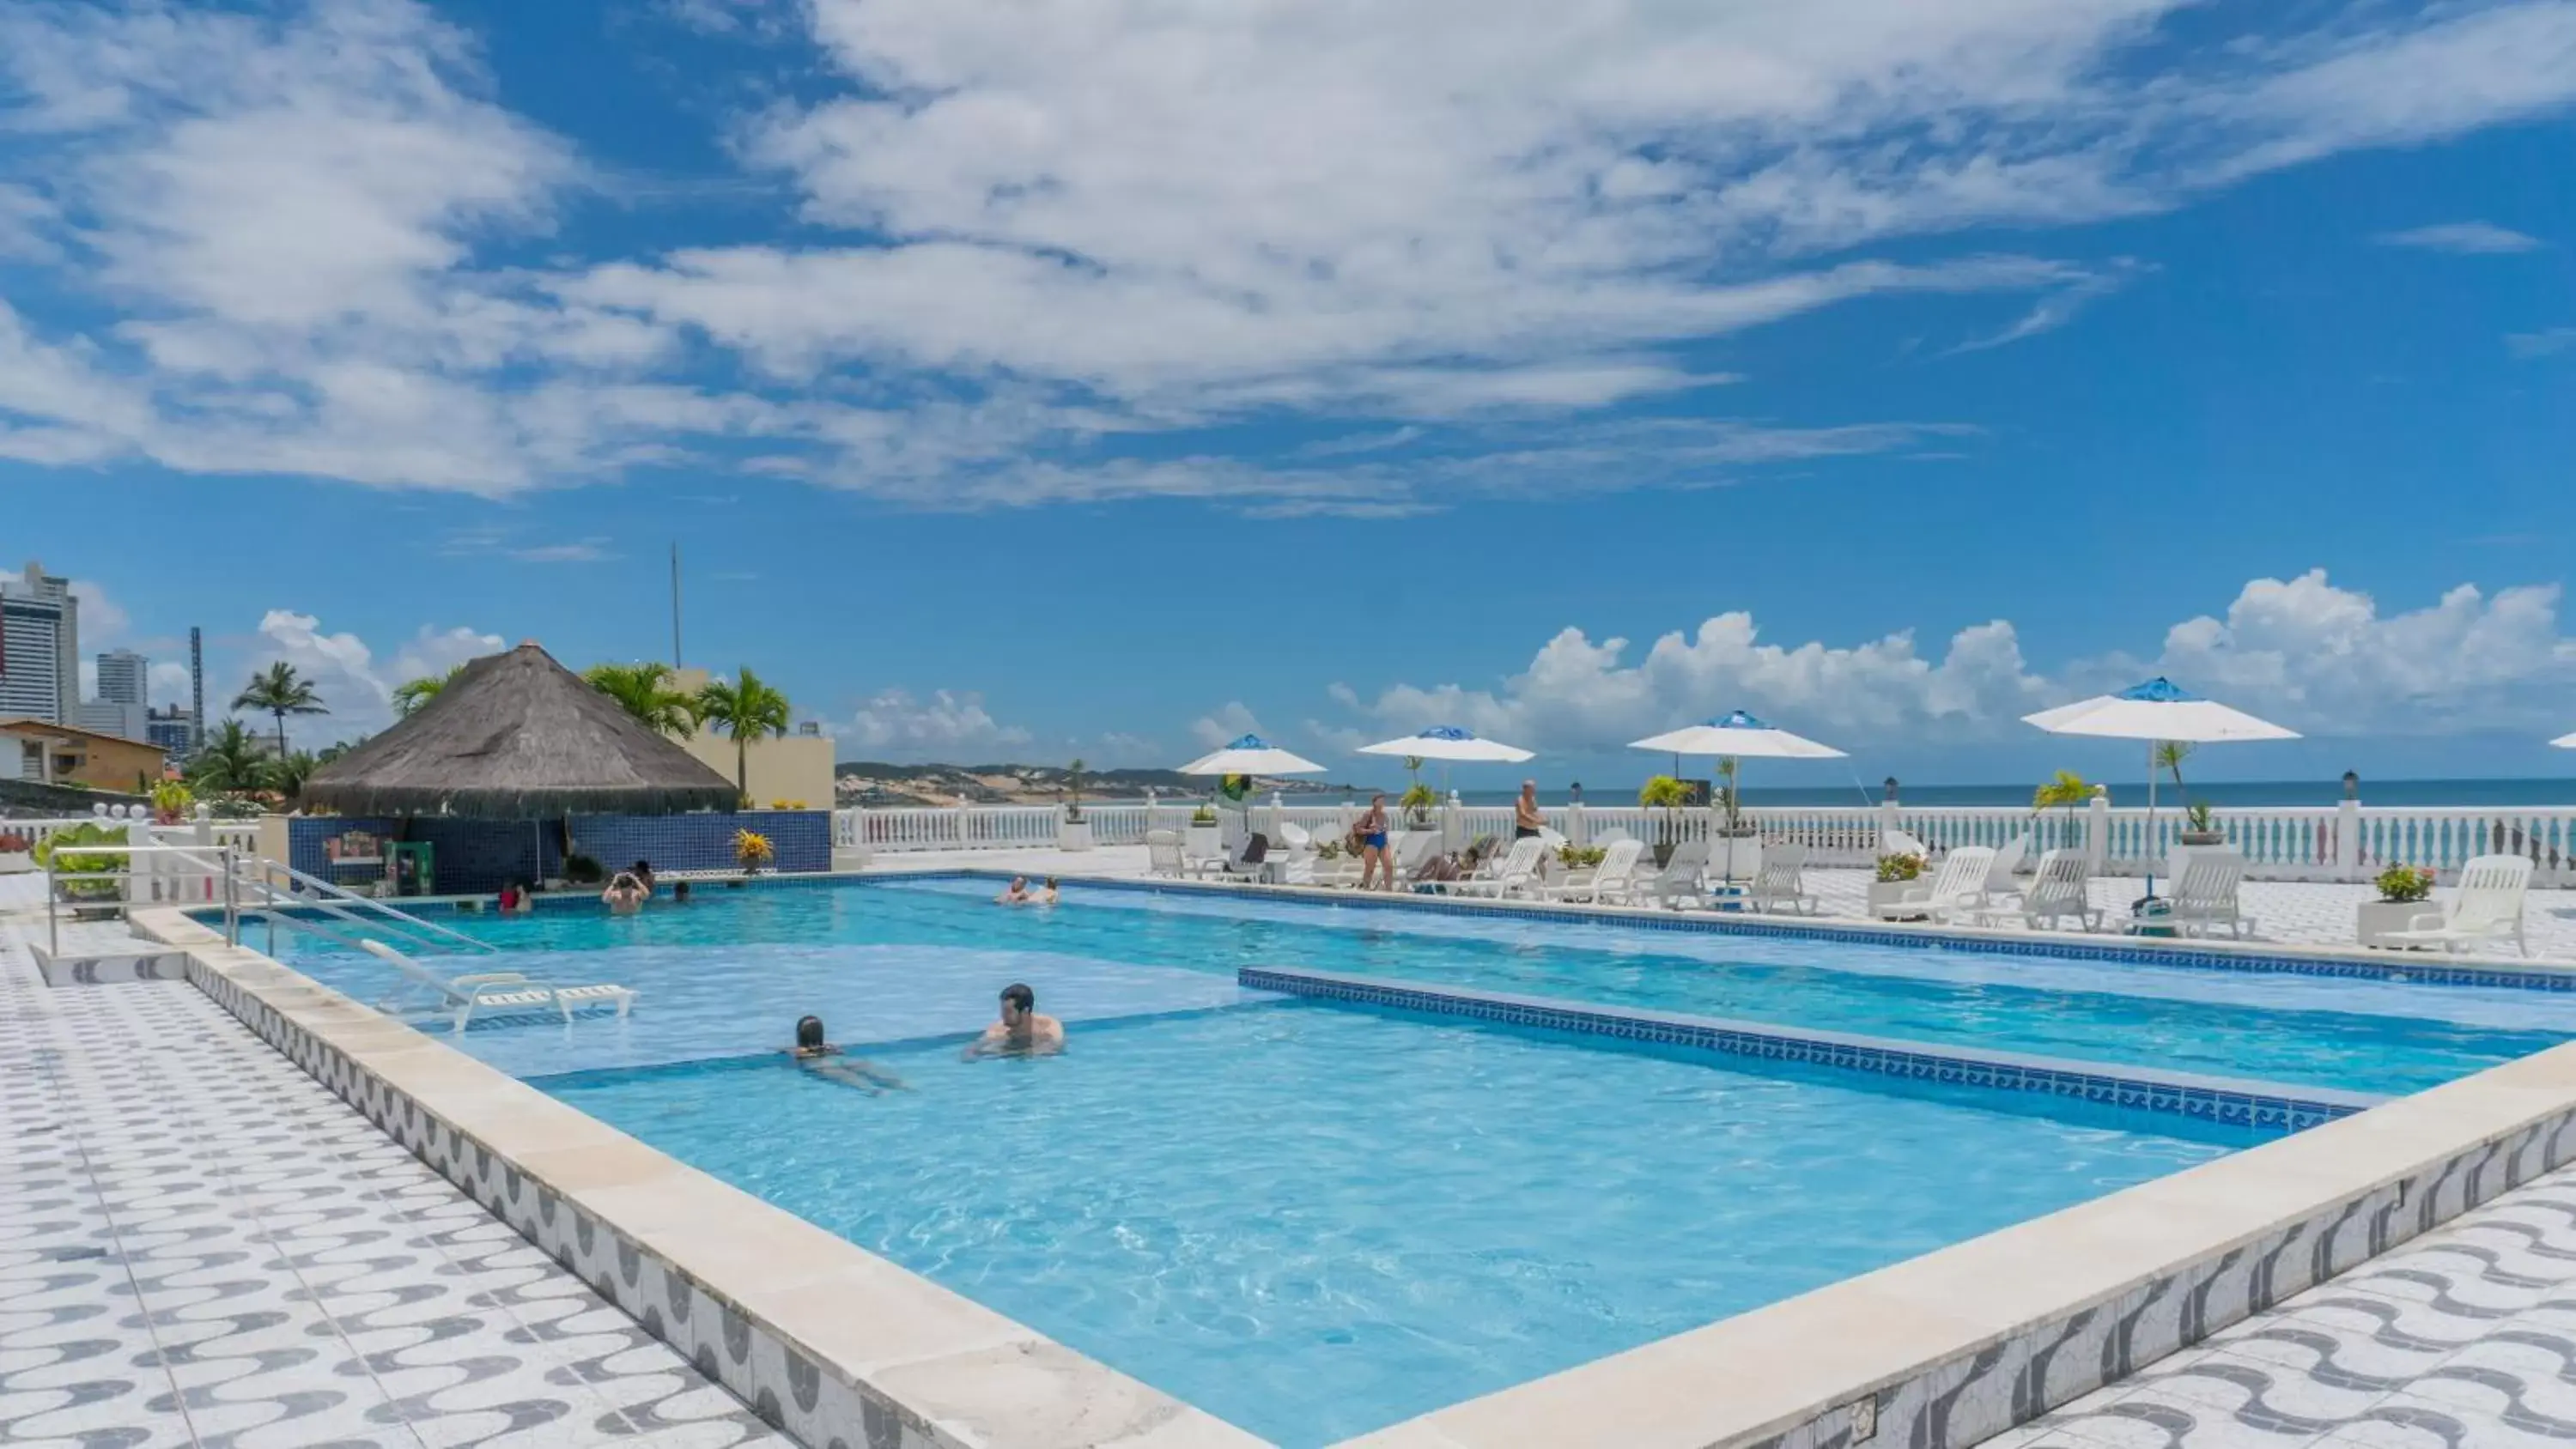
<point>644,1230</point>
<point>2253,957</point>
<point>2264,1106</point>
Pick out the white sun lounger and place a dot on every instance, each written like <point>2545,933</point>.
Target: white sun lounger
<point>2056,892</point>
<point>1779,884</point>
<point>1957,888</point>
<point>2204,896</point>
<point>1163,854</point>
<point>498,990</point>
<point>1611,880</point>
<point>2485,908</point>
<point>1516,873</point>
<point>1678,884</point>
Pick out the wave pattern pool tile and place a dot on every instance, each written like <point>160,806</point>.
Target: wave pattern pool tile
<point>1313,1222</point>
<point>2371,1036</point>
<point>199,1245</point>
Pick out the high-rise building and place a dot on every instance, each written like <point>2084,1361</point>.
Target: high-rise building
<point>196,689</point>
<point>39,648</point>
<point>124,677</point>
<point>110,717</point>
<point>173,729</point>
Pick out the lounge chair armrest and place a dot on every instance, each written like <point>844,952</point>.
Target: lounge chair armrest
<point>2425,921</point>
<point>490,978</point>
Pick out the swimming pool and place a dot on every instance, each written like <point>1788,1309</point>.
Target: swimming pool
<point>1314,1220</point>
<point>728,972</point>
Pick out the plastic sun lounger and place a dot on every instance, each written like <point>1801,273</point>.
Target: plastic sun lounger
<point>2485,908</point>
<point>499,990</point>
<point>1958,888</point>
<point>1610,880</point>
<point>1779,884</point>
<point>2057,891</point>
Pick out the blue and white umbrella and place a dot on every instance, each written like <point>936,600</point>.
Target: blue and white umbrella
<point>1738,734</point>
<point>2156,711</point>
<point>1251,755</point>
<point>1448,742</point>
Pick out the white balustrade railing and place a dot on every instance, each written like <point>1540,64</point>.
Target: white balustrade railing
<point>2349,842</point>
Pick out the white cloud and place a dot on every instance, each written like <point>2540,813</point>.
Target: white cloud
<point>2315,656</point>
<point>344,671</point>
<point>950,727</point>
<point>1224,724</point>
<point>2469,238</point>
<point>169,684</point>
<point>1029,234</point>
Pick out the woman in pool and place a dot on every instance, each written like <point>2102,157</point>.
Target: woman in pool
<point>823,1059</point>
<point>624,896</point>
<point>1050,895</point>
<point>1370,831</point>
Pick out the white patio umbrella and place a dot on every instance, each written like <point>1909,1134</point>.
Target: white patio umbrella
<point>2156,711</point>
<point>1739,735</point>
<point>1251,755</point>
<point>1448,742</point>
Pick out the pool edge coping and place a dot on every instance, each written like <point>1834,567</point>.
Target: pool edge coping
<point>730,1282</point>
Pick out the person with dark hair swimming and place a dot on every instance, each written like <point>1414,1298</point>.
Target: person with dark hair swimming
<point>1021,1032</point>
<point>817,1055</point>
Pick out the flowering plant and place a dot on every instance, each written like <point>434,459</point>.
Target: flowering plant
<point>1900,867</point>
<point>753,849</point>
<point>2403,884</point>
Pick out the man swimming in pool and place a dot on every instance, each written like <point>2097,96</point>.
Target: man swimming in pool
<point>1014,894</point>
<point>823,1059</point>
<point>1021,1032</point>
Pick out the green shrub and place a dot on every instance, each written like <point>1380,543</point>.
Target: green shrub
<point>85,876</point>
<point>2405,884</point>
<point>1900,867</point>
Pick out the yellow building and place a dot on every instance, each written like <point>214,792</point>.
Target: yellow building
<point>797,768</point>
<point>52,754</point>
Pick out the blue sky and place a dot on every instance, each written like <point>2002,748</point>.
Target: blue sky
<point>1104,380</point>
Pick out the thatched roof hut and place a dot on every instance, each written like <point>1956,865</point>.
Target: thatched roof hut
<point>518,737</point>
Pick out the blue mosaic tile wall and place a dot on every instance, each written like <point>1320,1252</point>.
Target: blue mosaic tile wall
<point>475,857</point>
<point>2241,1104</point>
<point>803,839</point>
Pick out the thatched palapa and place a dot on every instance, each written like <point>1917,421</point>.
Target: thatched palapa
<point>519,737</point>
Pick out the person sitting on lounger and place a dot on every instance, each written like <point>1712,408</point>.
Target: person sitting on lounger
<point>1021,1032</point>
<point>624,896</point>
<point>816,1055</point>
<point>1014,894</point>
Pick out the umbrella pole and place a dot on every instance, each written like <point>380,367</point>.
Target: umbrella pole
<point>2151,820</point>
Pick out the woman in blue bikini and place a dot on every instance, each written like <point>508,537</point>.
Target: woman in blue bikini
<point>1371,830</point>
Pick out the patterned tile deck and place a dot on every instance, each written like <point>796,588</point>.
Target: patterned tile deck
<point>201,1246</point>
<point>2464,1339</point>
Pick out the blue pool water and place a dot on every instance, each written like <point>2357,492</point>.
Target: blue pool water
<point>881,961</point>
<point>1314,1222</point>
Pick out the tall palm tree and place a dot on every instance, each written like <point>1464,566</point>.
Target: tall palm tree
<point>644,691</point>
<point>411,694</point>
<point>229,762</point>
<point>744,710</point>
<point>278,690</point>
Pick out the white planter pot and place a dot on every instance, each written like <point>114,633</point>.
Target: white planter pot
<point>2373,920</point>
<point>1202,842</point>
<point>1889,892</point>
<point>17,862</point>
<point>1073,835</point>
<point>1737,857</point>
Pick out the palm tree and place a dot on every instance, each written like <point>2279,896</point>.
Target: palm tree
<point>410,695</point>
<point>2068,789</point>
<point>230,762</point>
<point>287,773</point>
<point>280,691</point>
<point>644,691</point>
<point>745,710</point>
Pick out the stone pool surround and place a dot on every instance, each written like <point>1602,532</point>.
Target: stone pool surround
<point>1938,1351</point>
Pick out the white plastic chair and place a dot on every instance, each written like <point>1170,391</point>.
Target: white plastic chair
<point>2204,897</point>
<point>1163,854</point>
<point>1678,883</point>
<point>1777,885</point>
<point>1999,878</point>
<point>1957,888</point>
<point>2486,907</point>
<point>1516,872</point>
<point>1897,842</point>
<point>2058,890</point>
<point>1611,880</point>
<point>497,990</point>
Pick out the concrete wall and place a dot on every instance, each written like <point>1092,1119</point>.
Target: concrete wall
<point>474,857</point>
<point>797,769</point>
